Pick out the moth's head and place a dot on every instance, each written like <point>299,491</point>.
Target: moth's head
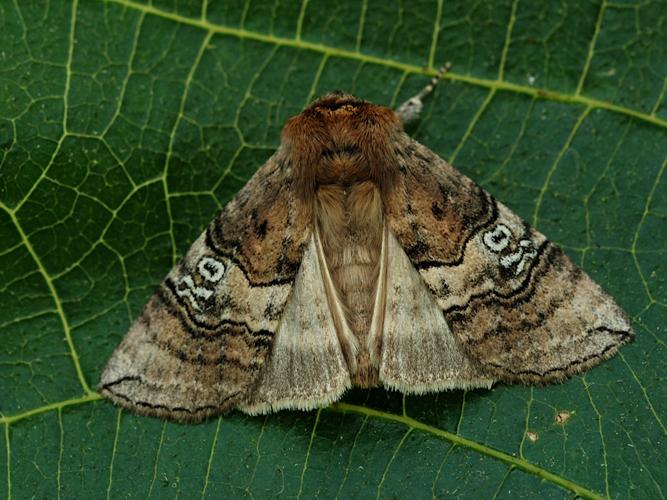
<point>337,104</point>
<point>342,139</point>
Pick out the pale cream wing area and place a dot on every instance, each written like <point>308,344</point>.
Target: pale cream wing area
<point>419,352</point>
<point>306,368</point>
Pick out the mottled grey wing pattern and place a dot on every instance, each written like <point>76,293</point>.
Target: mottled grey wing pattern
<point>516,303</point>
<point>201,342</point>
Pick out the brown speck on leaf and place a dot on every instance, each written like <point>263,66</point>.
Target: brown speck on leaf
<point>532,436</point>
<point>562,417</point>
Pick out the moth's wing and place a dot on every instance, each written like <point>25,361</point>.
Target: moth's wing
<point>516,304</point>
<point>200,344</point>
<point>418,350</point>
<point>307,368</point>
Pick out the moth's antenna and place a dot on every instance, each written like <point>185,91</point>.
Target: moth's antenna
<point>444,69</point>
<point>410,109</point>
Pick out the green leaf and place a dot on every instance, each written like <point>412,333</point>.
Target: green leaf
<point>125,126</point>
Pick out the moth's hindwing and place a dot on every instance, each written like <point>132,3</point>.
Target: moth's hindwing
<point>419,352</point>
<point>514,301</point>
<point>307,367</point>
<point>200,344</point>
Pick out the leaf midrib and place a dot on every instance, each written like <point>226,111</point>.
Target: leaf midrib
<point>329,51</point>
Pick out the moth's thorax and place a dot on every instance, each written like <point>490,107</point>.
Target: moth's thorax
<point>350,224</point>
<point>342,140</point>
<point>342,164</point>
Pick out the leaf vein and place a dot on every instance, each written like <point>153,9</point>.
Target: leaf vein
<point>483,449</point>
<point>297,42</point>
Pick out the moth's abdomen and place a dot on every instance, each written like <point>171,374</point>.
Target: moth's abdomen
<point>350,222</point>
<point>356,285</point>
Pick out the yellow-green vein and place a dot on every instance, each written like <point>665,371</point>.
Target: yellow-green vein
<point>591,48</point>
<point>157,459</point>
<point>391,460</point>
<point>310,445</point>
<point>472,124</point>
<point>10,419</point>
<point>56,299</point>
<point>508,41</point>
<point>633,249</point>
<point>298,43</point>
<point>172,135</point>
<point>434,36</point>
<point>559,157</point>
<point>214,443</point>
<point>605,463</point>
<point>519,463</point>
<point>113,452</point>
<point>8,451</point>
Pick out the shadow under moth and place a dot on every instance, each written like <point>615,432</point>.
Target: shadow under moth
<point>355,256</point>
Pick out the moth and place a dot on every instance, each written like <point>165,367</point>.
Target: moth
<point>355,256</point>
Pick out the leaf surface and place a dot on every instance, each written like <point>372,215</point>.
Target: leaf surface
<point>125,126</point>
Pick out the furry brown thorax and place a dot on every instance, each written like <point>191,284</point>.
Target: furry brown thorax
<point>342,140</point>
<point>346,164</point>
